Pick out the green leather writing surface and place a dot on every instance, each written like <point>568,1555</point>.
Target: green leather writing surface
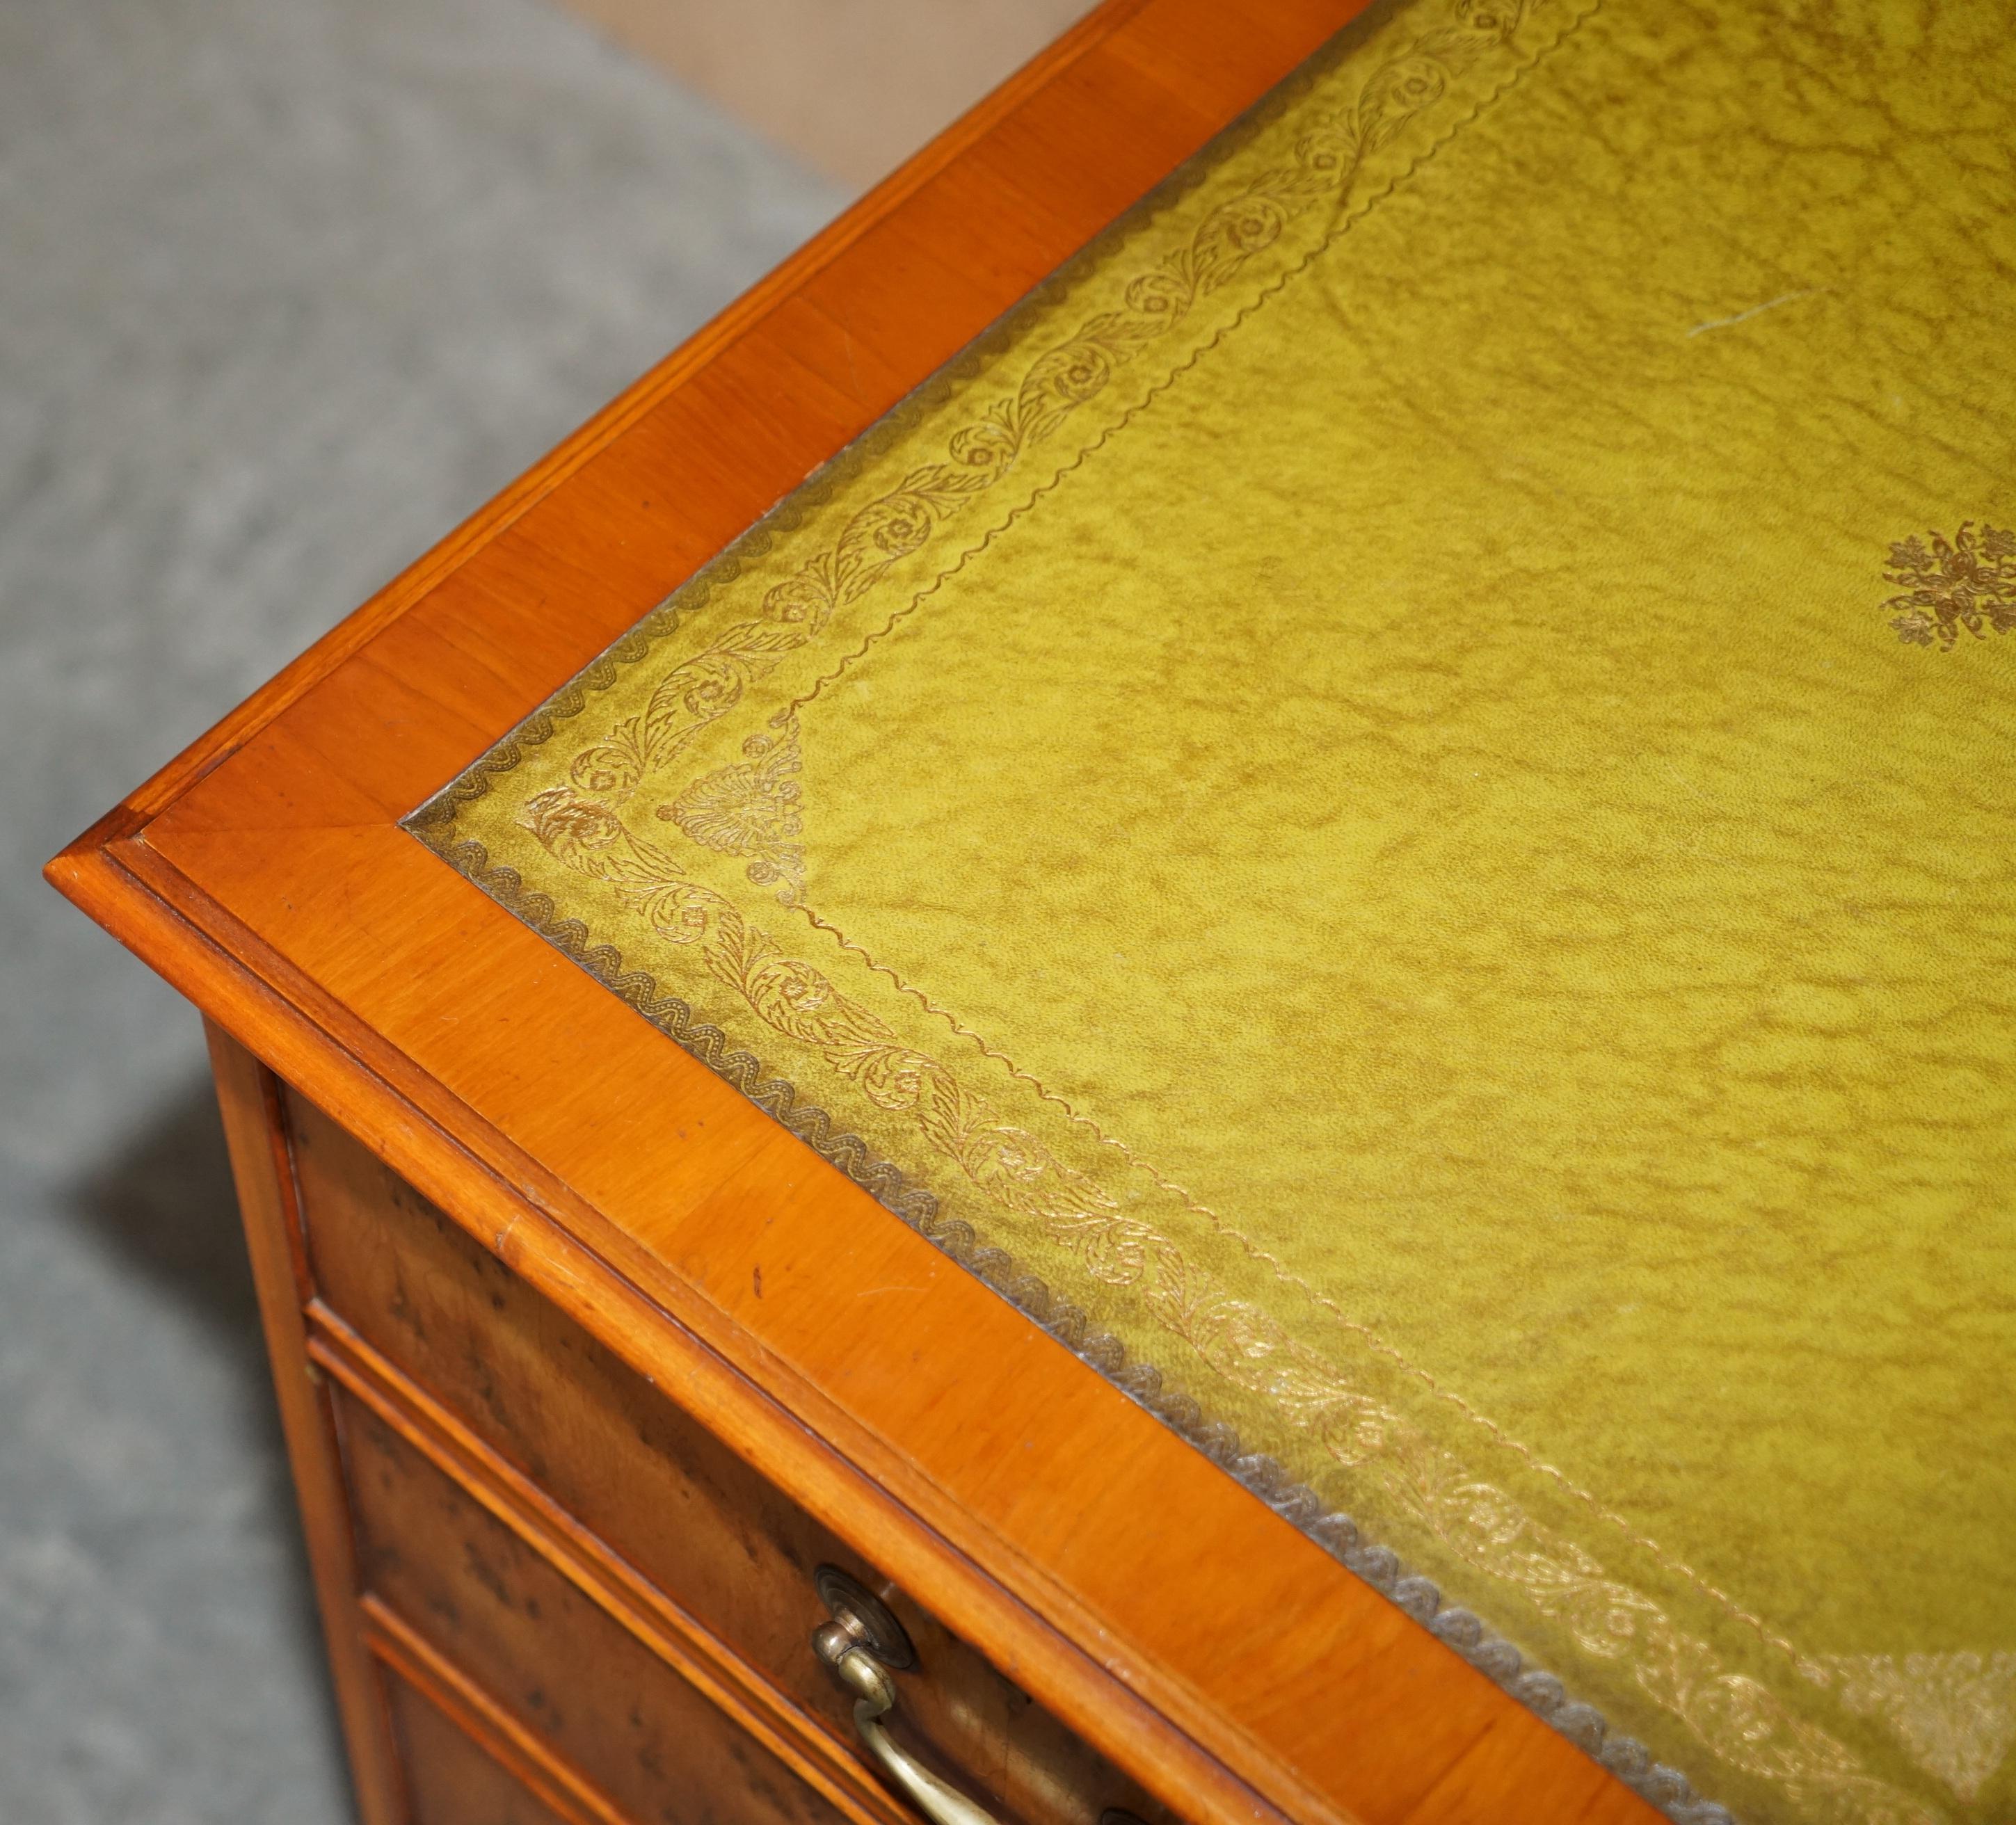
<point>1399,790</point>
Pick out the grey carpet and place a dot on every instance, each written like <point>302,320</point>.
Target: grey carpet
<point>286,288</point>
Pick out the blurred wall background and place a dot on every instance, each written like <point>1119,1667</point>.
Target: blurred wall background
<point>852,87</point>
<point>286,288</point>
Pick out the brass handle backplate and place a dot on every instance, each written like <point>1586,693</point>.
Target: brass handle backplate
<point>861,1643</point>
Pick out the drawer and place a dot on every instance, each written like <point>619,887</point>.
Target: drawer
<point>729,1547</point>
<point>448,1779</point>
<point>549,1658</point>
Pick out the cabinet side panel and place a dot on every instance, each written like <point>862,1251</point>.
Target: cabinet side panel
<point>254,1128</point>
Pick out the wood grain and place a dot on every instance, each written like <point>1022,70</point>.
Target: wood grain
<point>1203,1645</point>
<point>255,1133</point>
<point>454,1780</point>
<point>565,1672</point>
<point>526,1409</point>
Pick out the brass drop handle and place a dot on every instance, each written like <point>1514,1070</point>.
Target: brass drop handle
<point>860,1643</point>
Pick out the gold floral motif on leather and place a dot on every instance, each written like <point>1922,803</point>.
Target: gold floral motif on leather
<point>1948,587</point>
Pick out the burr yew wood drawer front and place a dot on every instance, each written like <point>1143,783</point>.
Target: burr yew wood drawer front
<point>470,1591</point>
<point>405,1293</point>
<point>450,1781</point>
